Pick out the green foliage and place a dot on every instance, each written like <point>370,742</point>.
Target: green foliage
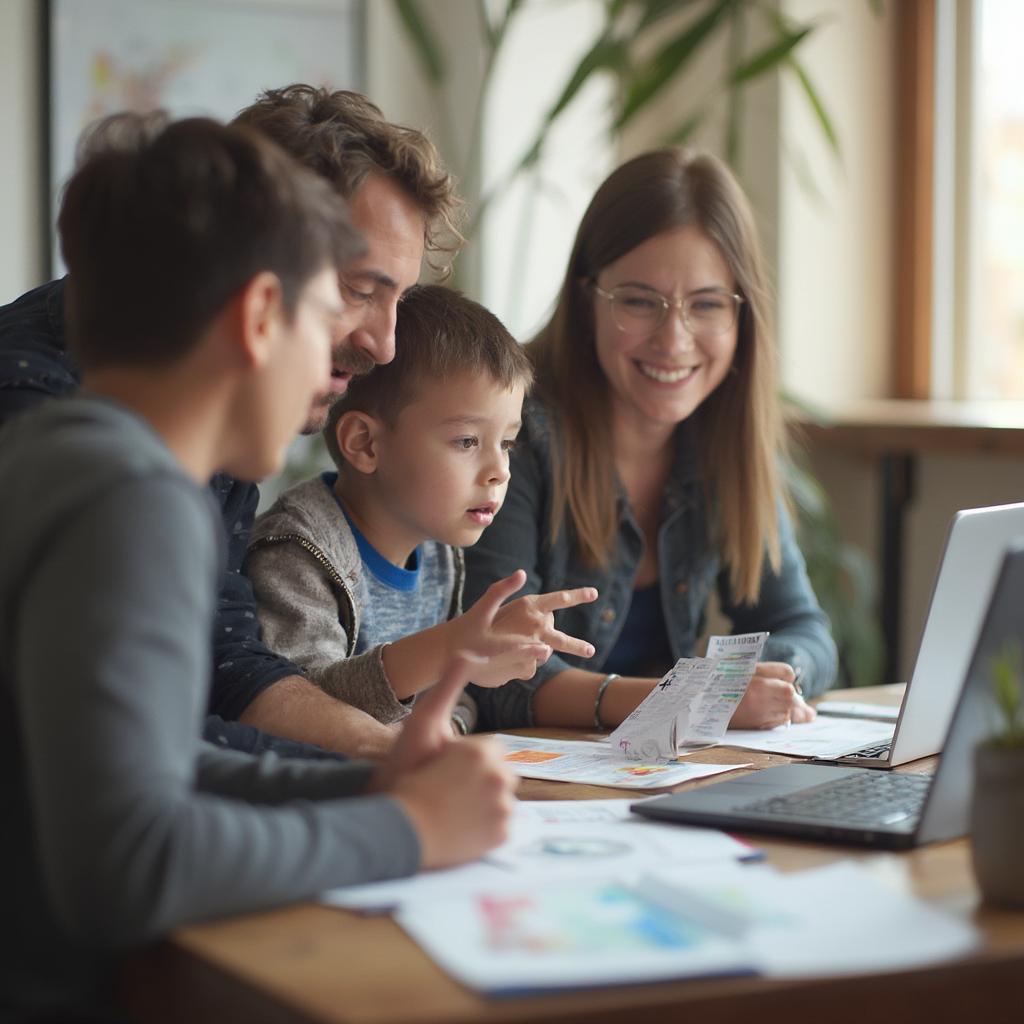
<point>674,33</point>
<point>1007,672</point>
<point>843,578</point>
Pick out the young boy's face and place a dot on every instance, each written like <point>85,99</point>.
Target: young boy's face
<point>442,469</point>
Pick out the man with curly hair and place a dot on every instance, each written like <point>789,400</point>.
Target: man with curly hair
<point>403,202</point>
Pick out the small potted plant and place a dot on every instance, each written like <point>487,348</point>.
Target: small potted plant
<point>997,810</point>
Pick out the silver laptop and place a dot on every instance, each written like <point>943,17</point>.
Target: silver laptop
<point>975,544</point>
<point>891,810</point>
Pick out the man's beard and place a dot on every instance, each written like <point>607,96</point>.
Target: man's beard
<point>352,361</point>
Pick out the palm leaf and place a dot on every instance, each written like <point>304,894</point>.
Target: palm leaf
<point>606,54</point>
<point>655,10</point>
<point>770,57</point>
<point>667,62</point>
<point>820,113</point>
<point>422,39</point>
<point>684,130</point>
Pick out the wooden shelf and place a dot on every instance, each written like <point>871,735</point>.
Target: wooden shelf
<point>896,426</point>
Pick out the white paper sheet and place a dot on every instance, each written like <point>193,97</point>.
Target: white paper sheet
<point>693,702</point>
<point>593,763</point>
<point>587,933</point>
<point>856,709</point>
<point>836,919</point>
<point>652,730</point>
<point>832,920</point>
<point>552,839</point>
<point>824,737</point>
<point>558,841</point>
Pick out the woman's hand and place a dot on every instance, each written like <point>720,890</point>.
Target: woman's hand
<point>772,699</point>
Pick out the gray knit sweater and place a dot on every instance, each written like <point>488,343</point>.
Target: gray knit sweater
<point>305,569</point>
<point>119,823</point>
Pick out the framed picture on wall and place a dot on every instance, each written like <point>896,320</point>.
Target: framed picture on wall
<point>189,57</point>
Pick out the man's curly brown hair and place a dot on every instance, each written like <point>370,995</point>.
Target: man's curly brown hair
<point>344,138</point>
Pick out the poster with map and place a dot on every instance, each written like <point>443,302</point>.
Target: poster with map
<point>190,57</point>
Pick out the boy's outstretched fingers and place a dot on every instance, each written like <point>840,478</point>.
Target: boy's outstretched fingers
<point>558,600</point>
<point>497,594</point>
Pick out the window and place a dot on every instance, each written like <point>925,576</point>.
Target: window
<point>976,334</point>
<point>995,345</point>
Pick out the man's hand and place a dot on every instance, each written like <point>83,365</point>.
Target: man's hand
<point>458,793</point>
<point>515,638</point>
<point>771,699</point>
<point>298,709</point>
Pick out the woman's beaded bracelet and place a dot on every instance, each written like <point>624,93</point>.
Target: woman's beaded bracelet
<point>600,693</point>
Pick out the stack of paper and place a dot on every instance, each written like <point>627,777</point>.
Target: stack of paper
<point>552,839</point>
<point>824,737</point>
<point>673,924</point>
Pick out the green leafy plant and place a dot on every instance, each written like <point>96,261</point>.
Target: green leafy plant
<point>645,46</point>
<point>1007,672</point>
<point>843,578</point>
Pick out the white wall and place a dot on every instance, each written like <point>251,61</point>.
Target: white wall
<point>835,267</point>
<point>757,168</point>
<point>22,119</point>
<point>529,231</point>
<point>21,178</point>
<point>514,261</point>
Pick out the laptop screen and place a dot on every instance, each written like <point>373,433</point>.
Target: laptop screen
<point>947,808</point>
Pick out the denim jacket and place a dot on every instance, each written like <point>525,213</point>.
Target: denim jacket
<point>689,569</point>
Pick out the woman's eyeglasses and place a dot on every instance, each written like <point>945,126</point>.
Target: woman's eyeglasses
<point>636,309</point>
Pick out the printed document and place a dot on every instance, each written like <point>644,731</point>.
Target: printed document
<point>824,737</point>
<point>698,922</point>
<point>594,763</point>
<point>557,839</point>
<point>694,701</point>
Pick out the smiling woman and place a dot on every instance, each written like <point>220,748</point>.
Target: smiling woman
<point>648,465</point>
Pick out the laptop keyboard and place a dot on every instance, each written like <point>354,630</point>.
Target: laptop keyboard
<point>876,750</point>
<point>870,799</point>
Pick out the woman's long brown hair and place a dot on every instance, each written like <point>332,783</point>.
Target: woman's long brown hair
<point>740,424</point>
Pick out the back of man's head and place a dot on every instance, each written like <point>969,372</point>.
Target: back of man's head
<point>345,139</point>
<point>441,335</point>
<point>160,228</point>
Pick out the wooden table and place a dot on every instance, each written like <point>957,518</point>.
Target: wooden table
<point>315,964</point>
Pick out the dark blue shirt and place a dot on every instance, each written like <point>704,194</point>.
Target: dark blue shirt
<point>642,648</point>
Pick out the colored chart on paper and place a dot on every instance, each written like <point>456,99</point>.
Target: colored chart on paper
<point>594,764</point>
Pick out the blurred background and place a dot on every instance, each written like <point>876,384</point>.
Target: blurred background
<point>882,145</point>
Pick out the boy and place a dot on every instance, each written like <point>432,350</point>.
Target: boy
<point>402,201</point>
<point>358,573</point>
<point>202,301</point>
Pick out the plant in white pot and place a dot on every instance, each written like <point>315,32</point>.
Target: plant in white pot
<point>997,809</point>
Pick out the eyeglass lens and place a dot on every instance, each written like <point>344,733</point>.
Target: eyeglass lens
<point>642,309</point>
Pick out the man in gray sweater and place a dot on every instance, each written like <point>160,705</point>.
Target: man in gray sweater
<point>203,299</point>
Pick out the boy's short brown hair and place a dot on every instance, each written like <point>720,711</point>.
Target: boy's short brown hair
<point>345,138</point>
<point>439,334</point>
<point>161,229</point>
